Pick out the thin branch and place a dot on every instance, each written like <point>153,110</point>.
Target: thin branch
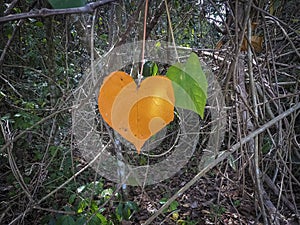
<point>88,8</point>
<point>255,144</point>
<point>130,26</point>
<point>171,29</point>
<point>74,176</point>
<point>144,43</point>
<point>8,43</point>
<point>275,18</point>
<point>12,87</point>
<point>10,7</point>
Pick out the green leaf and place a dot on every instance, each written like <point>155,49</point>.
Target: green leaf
<point>39,24</point>
<point>119,212</point>
<point>173,206</point>
<point>94,207</point>
<point>267,146</point>
<point>190,85</point>
<point>155,69</point>
<point>102,218</point>
<point>150,69</point>
<point>23,120</point>
<point>163,201</point>
<point>66,220</point>
<point>81,220</point>
<point>132,205</point>
<point>65,4</point>
<point>107,193</point>
<point>94,220</point>
<point>82,205</point>
<point>72,198</point>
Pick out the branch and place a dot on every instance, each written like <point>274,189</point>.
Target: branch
<point>88,8</point>
<point>130,26</point>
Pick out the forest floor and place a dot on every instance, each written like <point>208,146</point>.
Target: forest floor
<point>222,196</point>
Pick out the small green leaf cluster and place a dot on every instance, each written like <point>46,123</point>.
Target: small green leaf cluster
<point>173,210</point>
<point>216,212</point>
<point>82,208</point>
<point>172,207</point>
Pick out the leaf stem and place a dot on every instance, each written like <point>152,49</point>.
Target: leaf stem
<point>144,42</point>
<point>171,29</point>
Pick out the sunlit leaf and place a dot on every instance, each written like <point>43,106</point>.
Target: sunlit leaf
<point>190,85</point>
<point>175,216</point>
<point>94,207</point>
<point>102,218</point>
<point>134,112</point>
<point>82,205</point>
<point>106,193</point>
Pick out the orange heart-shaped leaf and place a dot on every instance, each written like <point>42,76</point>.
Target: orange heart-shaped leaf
<point>136,113</point>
